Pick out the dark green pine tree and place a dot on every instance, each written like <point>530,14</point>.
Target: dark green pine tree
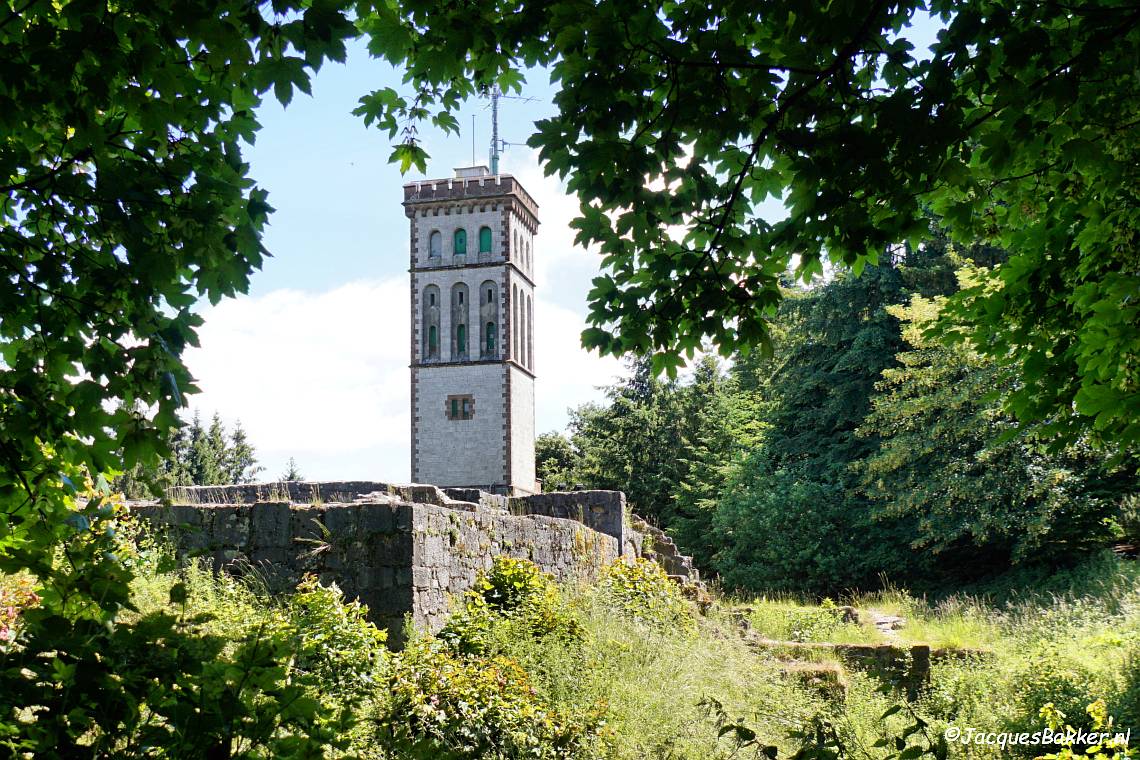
<point>713,433</point>
<point>794,513</point>
<point>200,456</point>
<point>239,459</point>
<point>986,494</point>
<point>791,517</point>
<point>292,471</point>
<point>634,443</point>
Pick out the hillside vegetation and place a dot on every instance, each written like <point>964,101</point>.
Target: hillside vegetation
<point>625,668</point>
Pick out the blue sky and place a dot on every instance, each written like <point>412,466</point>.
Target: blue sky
<point>314,361</point>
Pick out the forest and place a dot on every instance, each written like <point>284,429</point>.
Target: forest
<point>861,450</point>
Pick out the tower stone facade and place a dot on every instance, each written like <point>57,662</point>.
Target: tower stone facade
<point>472,336</point>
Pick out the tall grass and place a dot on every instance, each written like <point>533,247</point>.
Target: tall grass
<point>1073,640</point>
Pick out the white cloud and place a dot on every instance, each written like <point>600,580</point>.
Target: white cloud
<point>323,377</point>
<point>568,375</point>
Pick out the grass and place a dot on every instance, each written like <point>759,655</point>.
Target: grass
<point>1073,640</point>
<point>654,682</point>
<point>785,619</point>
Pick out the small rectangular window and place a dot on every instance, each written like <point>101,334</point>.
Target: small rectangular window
<point>460,407</point>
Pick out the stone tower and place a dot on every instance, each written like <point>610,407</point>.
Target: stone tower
<point>472,267</point>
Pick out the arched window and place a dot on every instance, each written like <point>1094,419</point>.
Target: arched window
<point>526,247</point>
<point>460,242</point>
<point>429,350</point>
<point>488,320</point>
<point>435,244</point>
<point>484,240</point>
<point>515,324</point>
<point>459,321</point>
<point>525,337</point>
<point>529,335</point>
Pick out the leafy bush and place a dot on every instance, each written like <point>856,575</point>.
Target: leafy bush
<point>1099,721</point>
<point>514,591</point>
<point>105,677</point>
<point>1049,678</point>
<point>338,651</point>
<point>16,595</point>
<point>641,590</point>
<point>449,706</point>
<point>510,583</point>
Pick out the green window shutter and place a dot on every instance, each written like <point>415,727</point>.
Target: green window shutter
<point>461,242</point>
<point>485,240</point>
<point>461,338</point>
<point>490,337</point>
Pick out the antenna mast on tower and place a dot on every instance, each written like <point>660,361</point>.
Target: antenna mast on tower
<point>495,93</point>
<point>498,145</point>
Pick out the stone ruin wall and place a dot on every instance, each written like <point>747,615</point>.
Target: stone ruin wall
<point>403,549</point>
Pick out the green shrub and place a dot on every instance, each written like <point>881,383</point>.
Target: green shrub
<point>449,706</point>
<point>1048,677</point>
<point>1099,721</point>
<point>511,582</point>
<point>338,651</point>
<point>110,672</point>
<point>17,593</point>
<point>641,590</point>
<point>1126,701</point>
<point>514,592</point>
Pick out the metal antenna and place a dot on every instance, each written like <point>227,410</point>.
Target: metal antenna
<point>498,145</point>
<point>495,93</point>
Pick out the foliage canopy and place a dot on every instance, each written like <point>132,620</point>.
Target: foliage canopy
<point>1019,126</point>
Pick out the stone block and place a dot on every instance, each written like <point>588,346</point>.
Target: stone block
<point>385,602</point>
<point>225,559</point>
<point>304,524</point>
<point>231,527</point>
<point>376,518</point>
<point>270,524</point>
<point>186,516</point>
<point>277,557</point>
<point>391,549</point>
<point>336,558</point>
<point>422,577</point>
<point>433,550</point>
<point>340,519</point>
<point>404,514</point>
<point>375,578</point>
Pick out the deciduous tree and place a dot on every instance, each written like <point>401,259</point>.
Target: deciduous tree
<point>1021,126</point>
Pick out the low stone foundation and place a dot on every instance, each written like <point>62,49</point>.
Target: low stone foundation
<point>402,550</point>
